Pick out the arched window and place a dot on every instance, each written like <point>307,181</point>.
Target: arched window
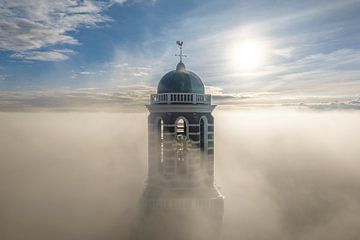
<point>203,137</point>
<point>160,142</point>
<point>180,127</point>
<point>182,145</point>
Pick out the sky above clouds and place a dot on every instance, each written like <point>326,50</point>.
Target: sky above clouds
<point>302,49</point>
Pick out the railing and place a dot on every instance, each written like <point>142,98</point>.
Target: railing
<point>180,98</point>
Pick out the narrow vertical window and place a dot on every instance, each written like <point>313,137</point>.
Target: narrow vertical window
<point>203,139</point>
<point>202,135</point>
<point>180,127</point>
<point>182,146</point>
<point>160,142</point>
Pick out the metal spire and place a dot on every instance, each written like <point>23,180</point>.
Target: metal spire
<point>181,55</point>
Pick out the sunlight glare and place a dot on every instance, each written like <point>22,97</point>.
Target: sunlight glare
<point>248,55</point>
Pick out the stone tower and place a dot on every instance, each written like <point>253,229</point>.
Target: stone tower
<point>180,200</point>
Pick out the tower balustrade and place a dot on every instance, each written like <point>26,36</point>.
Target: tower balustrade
<point>180,98</point>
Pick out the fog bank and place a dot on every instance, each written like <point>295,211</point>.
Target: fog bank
<point>285,174</point>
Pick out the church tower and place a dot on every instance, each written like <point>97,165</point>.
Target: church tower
<point>180,200</point>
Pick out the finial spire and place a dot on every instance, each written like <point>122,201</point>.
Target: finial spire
<point>181,55</point>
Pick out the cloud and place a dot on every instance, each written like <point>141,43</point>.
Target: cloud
<point>284,52</point>
<point>27,26</point>
<point>284,174</point>
<point>132,98</point>
<point>3,77</point>
<point>336,105</point>
<point>129,97</point>
<point>213,90</point>
<point>303,53</point>
<point>55,55</point>
<point>119,1</point>
<point>335,72</point>
<point>65,200</point>
<point>87,73</point>
<point>278,164</point>
<point>333,60</point>
<point>136,71</point>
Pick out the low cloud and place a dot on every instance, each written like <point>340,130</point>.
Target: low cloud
<point>336,105</point>
<point>80,175</point>
<point>278,165</point>
<point>213,90</point>
<point>134,97</point>
<point>128,98</point>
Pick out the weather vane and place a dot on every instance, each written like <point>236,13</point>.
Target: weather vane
<point>181,55</point>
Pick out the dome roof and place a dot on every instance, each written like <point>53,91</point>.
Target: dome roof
<point>181,81</point>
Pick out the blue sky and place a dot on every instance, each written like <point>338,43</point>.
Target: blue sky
<point>111,48</point>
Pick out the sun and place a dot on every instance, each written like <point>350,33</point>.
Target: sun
<point>248,55</point>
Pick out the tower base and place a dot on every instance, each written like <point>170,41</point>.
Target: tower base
<point>181,214</point>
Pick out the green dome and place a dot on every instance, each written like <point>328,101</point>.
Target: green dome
<point>181,81</point>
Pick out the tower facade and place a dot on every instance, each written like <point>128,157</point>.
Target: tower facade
<point>180,200</point>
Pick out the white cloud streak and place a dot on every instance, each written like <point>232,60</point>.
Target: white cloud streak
<point>130,97</point>
<point>55,55</point>
<point>336,105</point>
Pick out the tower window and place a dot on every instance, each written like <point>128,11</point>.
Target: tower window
<point>202,135</point>
<point>182,146</point>
<point>160,142</point>
<point>180,127</point>
<point>203,139</point>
